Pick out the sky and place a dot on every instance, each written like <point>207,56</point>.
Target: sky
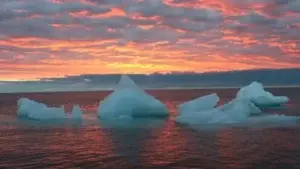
<point>55,38</point>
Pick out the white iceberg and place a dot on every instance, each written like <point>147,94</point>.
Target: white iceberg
<point>240,105</point>
<point>76,113</point>
<point>255,92</point>
<point>235,111</point>
<point>199,104</point>
<point>38,111</point>
<point>128,100</point>
<point>240,110</point>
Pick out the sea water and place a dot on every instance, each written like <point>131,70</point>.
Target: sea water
<point>145,143</point>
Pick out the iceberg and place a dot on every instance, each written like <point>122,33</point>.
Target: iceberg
<point>76,113</point>
<point>128,100</point>
<point>261,98</point>
<point>244,109</point>
<point>38,111</point>
<point>237,110</point>
<point>199,104</point>
<point>240,105</point>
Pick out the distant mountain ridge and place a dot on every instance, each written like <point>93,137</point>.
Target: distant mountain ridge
<point>269,77</point>
<point>174,80</point>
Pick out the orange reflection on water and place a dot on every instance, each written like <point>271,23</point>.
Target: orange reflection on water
<point>166,147</point>
<point>226,147</point>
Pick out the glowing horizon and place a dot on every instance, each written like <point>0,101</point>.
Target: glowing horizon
<point>77,37</point>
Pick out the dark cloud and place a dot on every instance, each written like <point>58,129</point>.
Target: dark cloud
<point>38,7</point>
<point>42,27</point>
<point>256,19</point>
<point>190,26</point>
<point>6,14</point>
<point>150,35</point>
<point>24,9</point>
<point>186,1</point>
<point>29,28</point>
<point>294,6</point>
<point>110,2</point>
<point>259,49</point>
<point>158,8</point>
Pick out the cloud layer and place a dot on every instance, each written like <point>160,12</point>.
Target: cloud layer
<point>46,38</point>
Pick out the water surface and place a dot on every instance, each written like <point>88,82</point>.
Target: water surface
<point>144,143</point>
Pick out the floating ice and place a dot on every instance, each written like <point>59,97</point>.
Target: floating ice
<point>76,113</point>
<point>240,105</point>
<point>239,110</point>
<point>38,111</point>
<point>256,93</point>
<point>199,104</point>
<point>128,100</point>
<point>235,111</point>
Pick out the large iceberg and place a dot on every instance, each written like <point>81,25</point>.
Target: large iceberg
<point>256,93</point>
<point>237,110</point>
<point>199,104</point>
<point>128,100</point>
<point>38,111</point>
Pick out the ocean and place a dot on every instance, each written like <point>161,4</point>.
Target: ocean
<point>144,143</point>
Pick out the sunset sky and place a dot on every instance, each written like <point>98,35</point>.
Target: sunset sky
<point>50,38</point>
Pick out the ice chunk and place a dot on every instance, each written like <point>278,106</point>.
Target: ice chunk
<point>38,111</point>
<point>256,93</point>
<point>76,113</point>
<point>199,104</point>
<point>126,83</point>
<point>25,106</point>
<point>237,110</point>
<point>130,100</point>
<point>240,105</point>
<point>200,117</point>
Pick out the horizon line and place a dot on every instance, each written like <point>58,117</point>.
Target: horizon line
<point>149,74</point>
